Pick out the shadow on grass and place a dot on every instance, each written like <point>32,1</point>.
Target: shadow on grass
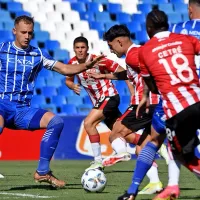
<point>118,171</point>
<point>189,197</point>
<point>187,189</point>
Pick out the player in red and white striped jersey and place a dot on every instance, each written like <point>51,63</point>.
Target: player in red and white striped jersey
<point>102,92</point>
<point>168,65</point>
<point>170,61</point>
<point>97,89</point>
<point>119,41</point>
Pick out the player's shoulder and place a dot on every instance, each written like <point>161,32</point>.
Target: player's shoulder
<point>73,60</point>
<point>4,45</point>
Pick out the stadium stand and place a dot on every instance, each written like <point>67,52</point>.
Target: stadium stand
<point>68,19</point>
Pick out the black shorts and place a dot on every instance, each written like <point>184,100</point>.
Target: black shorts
<point>181,131</point>
<point>129,119</point>
<point>109,105</point>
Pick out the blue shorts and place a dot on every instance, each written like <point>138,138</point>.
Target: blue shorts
<point>159,118</point>
<point>20,116</point>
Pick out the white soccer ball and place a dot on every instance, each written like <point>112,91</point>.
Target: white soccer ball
<point>93,180</point>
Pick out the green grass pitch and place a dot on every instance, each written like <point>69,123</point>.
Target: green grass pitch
<point>19,184</point>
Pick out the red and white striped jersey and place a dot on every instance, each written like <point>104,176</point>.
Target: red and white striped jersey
<point>169,59</point>
<point>134,76</point>
<point>97,88</point>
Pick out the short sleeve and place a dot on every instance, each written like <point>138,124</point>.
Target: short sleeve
<point>144,71</point>
<point>110,65</point>
<point>47,61</point>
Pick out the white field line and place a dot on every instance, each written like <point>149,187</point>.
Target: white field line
<point>26,195</point>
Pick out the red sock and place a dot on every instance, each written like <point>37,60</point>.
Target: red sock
<point>136,138</point>
<point>94,138</point>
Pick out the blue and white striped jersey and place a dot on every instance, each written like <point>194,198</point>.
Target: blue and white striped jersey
<point>19,69</point>
<point>191,27</point>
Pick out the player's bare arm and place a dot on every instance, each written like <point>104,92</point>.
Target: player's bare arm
<point>71,85</point>
<point>144,103</point>
<point>69,69</point>
<point>151,84</point>
<point>119,74</point>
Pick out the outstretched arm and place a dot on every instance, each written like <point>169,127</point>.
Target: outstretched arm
<point>69,69</point>
<point>120,74</point>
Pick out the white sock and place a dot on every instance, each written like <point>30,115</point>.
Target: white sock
<point>153,174</point>
<point>96,148</point>
<point>173,172</point>
<point>119,145</point>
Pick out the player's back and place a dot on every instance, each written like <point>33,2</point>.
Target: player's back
<point>170,60</point>
<point>134,76</point>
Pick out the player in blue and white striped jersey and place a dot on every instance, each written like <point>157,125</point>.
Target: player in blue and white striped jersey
<point>20,64</point>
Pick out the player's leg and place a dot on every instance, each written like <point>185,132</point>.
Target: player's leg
<point>91,121</point>
<point>33,119</point>
<point>154,184</point>
<point>172,189</point>
<point>145,159</point>
<point>118,143</point>
<point>183,139</point>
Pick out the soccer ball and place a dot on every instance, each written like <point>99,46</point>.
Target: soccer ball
<point>93,180</point>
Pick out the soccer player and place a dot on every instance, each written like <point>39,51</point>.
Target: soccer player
<point>102,92</point>
<point>192,28</point>
<point>119,41</point>
<point>20,64</point>
<point>168,66</point>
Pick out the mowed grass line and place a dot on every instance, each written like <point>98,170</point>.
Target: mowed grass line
<point>19,180</point>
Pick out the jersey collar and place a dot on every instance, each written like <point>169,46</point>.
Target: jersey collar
<point>162,34</point>
<point>19,49</point>
<point>133,45</point>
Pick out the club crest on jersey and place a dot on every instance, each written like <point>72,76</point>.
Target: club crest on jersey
<point>184,31</point>
<point>22,62</point>
<point>33,54</point>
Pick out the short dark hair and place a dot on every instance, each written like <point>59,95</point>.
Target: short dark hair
<point>80,39</point>
<point>197,2</point>
<point>159,19</point>
<point>116,31</point>
<point>25,18</point>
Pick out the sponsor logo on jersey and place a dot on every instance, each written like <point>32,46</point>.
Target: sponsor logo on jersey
<point>19,61</point>
<point>33,54</point>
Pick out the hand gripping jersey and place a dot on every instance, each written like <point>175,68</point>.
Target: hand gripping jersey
<point>134,76</point>
<point>97,88</point>
<point>19,69</point>
<point>169,58</point>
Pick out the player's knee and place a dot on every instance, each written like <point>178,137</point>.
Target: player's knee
<point>56,121</point>
<point>87,124</point>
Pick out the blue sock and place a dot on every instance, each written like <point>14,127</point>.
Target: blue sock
<point>143,164</point>
<point>49,143</point>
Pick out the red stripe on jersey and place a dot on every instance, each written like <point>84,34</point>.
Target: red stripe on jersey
<point>169,58</point>
<point>94,87</point>
<point>133,73</point>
